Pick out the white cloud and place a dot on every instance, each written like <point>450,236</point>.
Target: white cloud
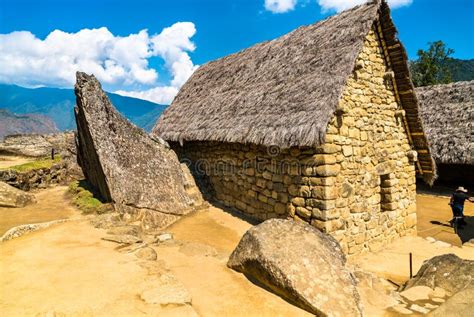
<point>341,5</point>
<point>280,6</point>
<point>121,62</point>
<point>399,3</point>
<point>161,95</point>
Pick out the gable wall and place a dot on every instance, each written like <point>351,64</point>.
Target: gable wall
<point>373,142</point>
<point>335,187</point>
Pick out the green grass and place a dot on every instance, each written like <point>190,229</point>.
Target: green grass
<point>37,164</point>
<point>84,199</point>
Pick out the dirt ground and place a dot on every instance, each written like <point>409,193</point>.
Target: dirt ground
<point>8,161</point>
<point>51,205</point>
<point>434,213</point>
<point>69,269</point>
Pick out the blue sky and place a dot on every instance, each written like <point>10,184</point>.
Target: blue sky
<point>217,28</point>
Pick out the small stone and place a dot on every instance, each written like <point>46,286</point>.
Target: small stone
<point>430,306</point>
<point>303,212</point>
<point>419,309</point>
<point>442,244</point>
<point>298,201</point>
<point>165,237</point>
<point>417,293</point>
<point>169,291</point>
<point>125,238</point>
<point>438,292</point>
<point>121,230</point>
<point>438,300</point>
<point>430,239</point>
<point>146,253</point>
<point>401,309</point>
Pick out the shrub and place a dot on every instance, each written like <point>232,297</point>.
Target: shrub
<point>83,197</point>
<point>46,162</point>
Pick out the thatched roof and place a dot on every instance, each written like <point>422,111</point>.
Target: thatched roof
<point>284,92</point>
<point>448,116</point>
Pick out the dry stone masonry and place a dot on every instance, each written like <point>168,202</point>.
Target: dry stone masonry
<point>359,186</point>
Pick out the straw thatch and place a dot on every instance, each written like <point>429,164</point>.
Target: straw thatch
<point>284,92</point>
<point>448,116</point>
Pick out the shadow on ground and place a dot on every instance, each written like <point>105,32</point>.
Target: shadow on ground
<point>465,232</point>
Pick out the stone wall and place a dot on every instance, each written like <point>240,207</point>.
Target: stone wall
<point>359,186</point>
<point>37,178</point>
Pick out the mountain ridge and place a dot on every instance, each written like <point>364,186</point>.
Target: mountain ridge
<point>58,104</point>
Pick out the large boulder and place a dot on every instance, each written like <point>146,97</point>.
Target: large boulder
<point>141,175</point>
<point>460,305</point>
<point>446,271</point>
<point>13,197</point>
<point>299,263</point>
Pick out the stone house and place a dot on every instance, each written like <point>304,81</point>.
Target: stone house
<point>447,112</point>
<point>320,125</point>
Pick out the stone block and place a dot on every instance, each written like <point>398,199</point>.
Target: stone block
<point>328,170</point>
<point>280,208</point>
<point>347,150</point>
<point>328,148</point>
<point>298,201</point>
<point>293,190</point>
<point>283,197</point>
<point>305,191</point>
<point>321,204</point>
<point>277,178</point>
<point>325,192</point>
<point>303,212</point>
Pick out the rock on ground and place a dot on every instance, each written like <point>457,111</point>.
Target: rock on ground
<point>446,271</point>
<point>124,239</point>
<point>459,305</point>
<point>13,197</point>
<point>146,253</point>
<point>167,291</point>
<point>299,263</point>
<point>140,174</point>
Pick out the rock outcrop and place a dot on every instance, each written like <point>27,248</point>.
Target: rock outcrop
<point>141,175</point>
<point>446,271</point>
<point>13,197</point>
<point>460,305</point>
<point>38,145</point>
<point>299,263</point>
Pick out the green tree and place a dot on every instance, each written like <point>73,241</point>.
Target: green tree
<point>431,66</point>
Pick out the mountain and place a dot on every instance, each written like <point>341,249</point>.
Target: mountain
<point>11,123</point>
<point>461,69</point>
<point>58,104</point>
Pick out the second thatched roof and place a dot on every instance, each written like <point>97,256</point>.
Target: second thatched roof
<point>448,117</point>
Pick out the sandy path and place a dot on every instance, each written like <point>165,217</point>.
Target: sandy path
<point>217,290</point>
<point>51,205</point>
<point>434,213</point>
<point>68,269</point>
<point>392,262</point>
<point>8,161</point>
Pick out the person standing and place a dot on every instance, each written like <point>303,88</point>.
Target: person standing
<point>457,203</point>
